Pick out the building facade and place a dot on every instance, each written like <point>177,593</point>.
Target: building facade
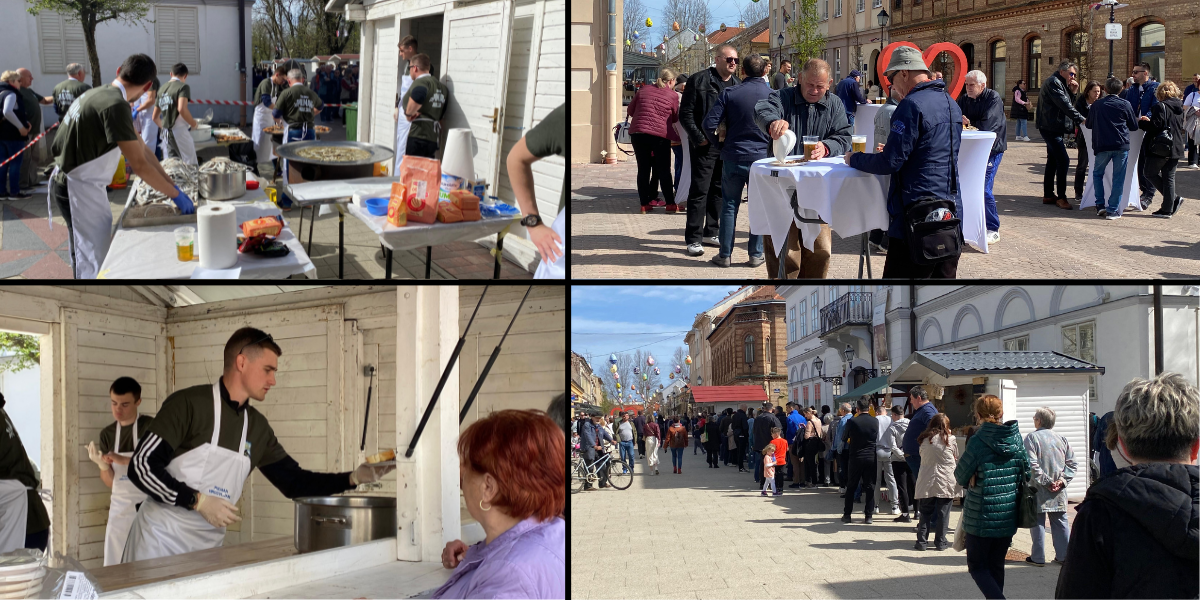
<point>585,385</point>
<point>596,57</point>
<point>851,29</point>
<point>747,344</point>
<point>702,326</point>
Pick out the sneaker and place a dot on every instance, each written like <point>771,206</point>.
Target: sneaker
<point>764,492</point>
<point>20,196</point>
<point>1112,217</point>
<point>647,209</point>
<point>842,491</point>
<point>846,519</point>
<point>720,261</point>
<point>1100,211</point>
<point>1029,559</point>
<point>779,492</point>
<point>903,518</point>
<point>993,237</point>
<point>756,261</point>
<point>876,248</point>
<point>867,521</point>
<point>1160,214</point>
<point>941,548</point>
<point>918,547</point>
<point>672,209</point>
<point>711,241</point>
<point>695,250</point>
<point>1146,202</point>
<point>658,202</point>
<point>1058,562</point>
<point>794,485</point>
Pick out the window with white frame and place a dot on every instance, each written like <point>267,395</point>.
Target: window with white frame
<point>833,289</point>
<point>792,323</point>
<point>177,37</point>
<point>803,319</point>
<point>815,310</point>
<point>60,41</point>
<point>837,59</point>
<point>824,15</point>
<point>878,3</point>
<point>862,5</point>
<point>1017,344</point>
<point>837,12</point>
<point>1079,340</point>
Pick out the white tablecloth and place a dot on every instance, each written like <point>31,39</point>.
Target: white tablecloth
<point>312,193</point>
<point>972,170</point>
<point>864,123</point>
<point>420,235</point>
<point>1131,195</point>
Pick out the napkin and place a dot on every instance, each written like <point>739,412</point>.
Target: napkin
<point>783,145</point>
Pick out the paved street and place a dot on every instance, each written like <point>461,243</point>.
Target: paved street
<point>707,534</point>
<point>610,239</point>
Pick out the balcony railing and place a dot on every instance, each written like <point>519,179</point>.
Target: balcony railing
<point>853,308</point>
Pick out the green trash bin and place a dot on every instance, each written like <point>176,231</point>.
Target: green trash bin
<point>351,122</point>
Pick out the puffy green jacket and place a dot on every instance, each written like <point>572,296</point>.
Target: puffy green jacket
<point>996,456</point>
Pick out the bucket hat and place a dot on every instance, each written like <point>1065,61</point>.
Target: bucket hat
<point>906,58</point>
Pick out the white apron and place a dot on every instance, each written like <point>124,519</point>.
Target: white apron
<point>287,138</point>
<point>183,141</point>
<point>122,508</point>
<point>685,168</point>
<point>557,269</point>
<point>167,530</point>
<point>263,146</point>
<point>146,126</point>
<point>91,217</point>
<point>402,125</point>
<point>14,507</point>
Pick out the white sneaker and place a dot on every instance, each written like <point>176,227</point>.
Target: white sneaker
<point>993,237</point>
<point>1027,139</point>
<point>695,250</point>
<point>841,490</point>
<point>1112,217</point>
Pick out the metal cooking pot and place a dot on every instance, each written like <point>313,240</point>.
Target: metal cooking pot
<point>225,186</point>
<point>325,522</point>
<point>312,170</point>
<point>202,133</point>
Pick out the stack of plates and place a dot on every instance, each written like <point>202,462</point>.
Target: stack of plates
<point>21,577</point>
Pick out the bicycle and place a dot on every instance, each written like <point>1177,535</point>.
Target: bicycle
<point>620,473</point>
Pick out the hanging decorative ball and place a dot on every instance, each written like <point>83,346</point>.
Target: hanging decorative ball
<point>701,28</point>
<point>660,386</point>
<point>678,369</point>
<point>671,376</point>
<point>680,46</point>
<point>618,385</point>
<point>687,359</point>
<point>636,370</point>
<point>649,23</point>
<point>644,377</point>
<point>656,372</point>
<point>636,34</point>
<point>665,38</point>
<point>675,26</point>
<point>643,46</point>
<point>695,37</point>
<point>616,376</point>
<point>628,42</point>
<point>612,358</point>
<point>612,368</point>
<point>723,27</point>
<point>650,360</point>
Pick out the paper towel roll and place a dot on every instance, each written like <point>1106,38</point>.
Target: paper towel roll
<point>456,158</point>
<point>216,236</point>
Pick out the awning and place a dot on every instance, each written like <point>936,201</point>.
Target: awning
<point>870,387</point>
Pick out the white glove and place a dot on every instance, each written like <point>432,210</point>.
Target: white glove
<point>219,512</point>
<point>369,473</point>
<point>95,456</point>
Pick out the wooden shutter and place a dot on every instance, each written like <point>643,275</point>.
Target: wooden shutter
<point>187,33</point>
<point>166,45</point>
<point>51,43</point>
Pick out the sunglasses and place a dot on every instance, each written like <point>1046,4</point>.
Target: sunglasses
<point>731,60</point>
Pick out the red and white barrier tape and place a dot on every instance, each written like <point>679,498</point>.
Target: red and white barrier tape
<point>244,103</point>
<point>29,145</point>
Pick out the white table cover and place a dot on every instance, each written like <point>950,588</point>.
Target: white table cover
<point>324,192</point>
<point>864,123</point>
<point>420,235</point>
<point>1131,195</point>
<point>972,171</point>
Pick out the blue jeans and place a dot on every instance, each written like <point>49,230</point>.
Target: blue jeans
<point>1022,127</point>
<point>991,217</point>
<point>1119,159</point>
<point>627,453</point>
<point>11,173</point>
<point>677,458</point>
<point>1059,531</point>
<point>733,179</point>
<point>850,117</point>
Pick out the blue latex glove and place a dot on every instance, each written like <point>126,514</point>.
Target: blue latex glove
<point>183,202</point>
<point>278,114</point>
<point>266,100</point>
<point>135,114</point>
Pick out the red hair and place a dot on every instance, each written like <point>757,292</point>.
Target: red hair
<point>526,452</point>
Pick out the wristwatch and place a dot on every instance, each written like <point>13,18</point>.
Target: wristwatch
<point>531,221</point>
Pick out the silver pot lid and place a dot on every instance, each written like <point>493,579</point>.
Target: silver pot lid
<point>378,153</point>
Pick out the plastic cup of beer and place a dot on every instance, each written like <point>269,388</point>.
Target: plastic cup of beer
<point>185,240</point>
<point>858,143</point>
<point>810,144</point>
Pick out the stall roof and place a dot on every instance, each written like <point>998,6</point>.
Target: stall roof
<point>967,364</point>
<point>870,387</point>
<point>729,393</point>
<point>184,295</point>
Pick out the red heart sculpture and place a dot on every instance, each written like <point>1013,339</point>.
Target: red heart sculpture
<point>960,63</point>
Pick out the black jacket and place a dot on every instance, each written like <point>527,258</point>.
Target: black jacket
<point>699,96</point>
<point>1056,114</point>
<point>987,114</point>
<point>1018,110</point>
<point>739,423</point>
<point>712,428</point>
<point>1166,115</point>
<point>8,131</point>
<point>826,118</point>
<point>1135,536</point>
<point>765,420</point>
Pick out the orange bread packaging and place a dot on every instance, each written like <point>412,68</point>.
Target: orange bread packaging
<point>448,212</point>
<point>422,178</point>
<point>471,215</point>
<point>397,215</point>
<point>464,200</point>
<point>263,226</point>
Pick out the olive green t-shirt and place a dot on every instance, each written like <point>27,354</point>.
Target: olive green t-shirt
<point>269,88</point>
<point>14,464</point>
<point>550,137</point>
<point>33,111</point>
<point>108,433</point>
<point>432,109</point>
<point>168,100</point>
<point>298,104</point>
<point>185,421</point>
<point>91,128</point>
<point>66,92</point>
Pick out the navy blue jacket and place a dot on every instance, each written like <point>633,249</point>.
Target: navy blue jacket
<point>916,425</point>
<point>1142,97</point>
<point>825,118</point>
<point>1104,458</point>
<point>987,114</point>
<point>1111,119</point>
<point>920,152</point>
<point>744,141</point>
<point>851,94</point>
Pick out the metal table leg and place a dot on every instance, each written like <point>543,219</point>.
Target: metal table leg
<point>341,240</point>
<point>499,254</point>
<point>312,223</point>
<point>387,257</point>
<point>428,260</point>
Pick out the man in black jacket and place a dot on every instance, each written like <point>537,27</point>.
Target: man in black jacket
<point>704,195</point>
<point>860,434</point>
<point>741,436</point>
<point>763,424</point>
<point>639,427</point>
<point>1135,534</point>
<point>984,109</point>
<point>1057,117</point>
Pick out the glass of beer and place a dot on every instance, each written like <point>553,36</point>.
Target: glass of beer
<point>858,143</point>
<point>810,144</point>
<point>185,239</point>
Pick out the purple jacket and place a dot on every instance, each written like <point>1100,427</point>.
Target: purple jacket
<point>654,110</point>
<point>527,561</point>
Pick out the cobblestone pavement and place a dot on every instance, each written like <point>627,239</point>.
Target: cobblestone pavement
<point>610,239</point>
<point>707,534</point>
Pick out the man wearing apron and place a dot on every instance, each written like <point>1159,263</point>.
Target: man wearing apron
<point>408,49</point>
<point>266,94</point>
<point>23,519</point>
<point>172,115</point>
<point>544,139</point>
<point>424,104</point>
<point>143,116</point>
<point>117,443</point>
<point>96,131</point>
<point>296,107</point>
<point>205,440</point>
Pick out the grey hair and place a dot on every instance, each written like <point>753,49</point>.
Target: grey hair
<point>296,74</point>
<point>1064,65</point>
<point>978,76</point>
<point>1157,418</point>
<point>74,69</point>
<point>1044,416</point>
<point>1113,86</point>
<point>846,407</point>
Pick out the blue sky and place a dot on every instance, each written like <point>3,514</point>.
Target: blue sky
<point>625,317</point>
<point>723,11</point>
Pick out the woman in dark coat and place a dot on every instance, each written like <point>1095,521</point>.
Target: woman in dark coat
<point>1020,110</point>
<point>1166,116</point>
<point>1083,102</point>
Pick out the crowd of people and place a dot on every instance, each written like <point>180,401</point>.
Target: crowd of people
<point>717,122</point>
<point>904,460</point>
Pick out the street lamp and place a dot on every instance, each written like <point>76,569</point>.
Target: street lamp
<point>848,353</point>
<point>1112,18</point>
<point>882,17</point>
